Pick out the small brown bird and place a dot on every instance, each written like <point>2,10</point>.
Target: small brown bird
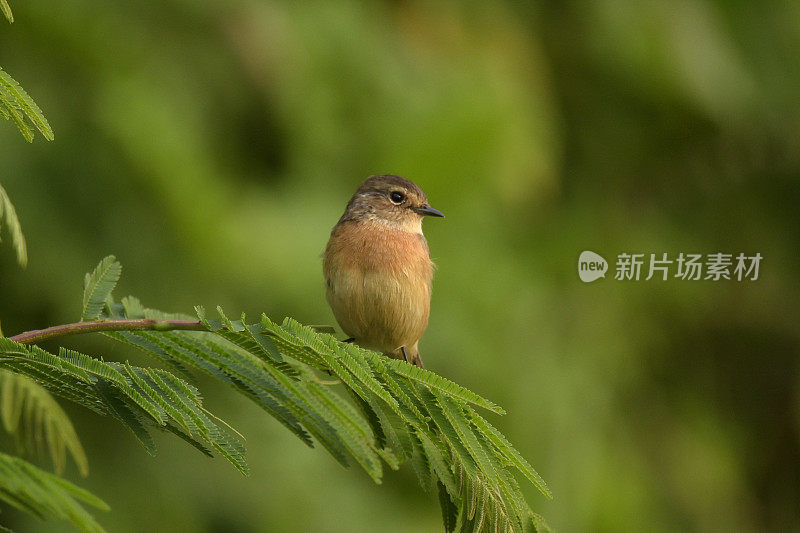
<point>378,269</point>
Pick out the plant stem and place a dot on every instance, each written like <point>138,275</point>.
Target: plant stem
<point>38,335</point>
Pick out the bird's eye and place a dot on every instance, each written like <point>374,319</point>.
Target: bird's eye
<point>397,197</point>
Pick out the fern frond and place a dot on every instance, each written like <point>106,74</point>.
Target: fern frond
<point>420,463</point>
<point>436,382</point>
<point>133,420</point>
<point>427,419</point>
<point>401,413</point>
<point>540,525</point>
<point>30,413</point>
<point>230,367</point>
<point>6,9</point>
<point>98,285</point>
<point>466,436</point>
<point>140,398</point>
<point>401,390</point>
<point>391,427</point>
<point>15,98</point>
<point>290,345</point>
<point>510,453</point>
<point>45,495</point>
<point>11,112</point>
<point>353,430</point>
<point>14,227</point>
<point>134,309</point>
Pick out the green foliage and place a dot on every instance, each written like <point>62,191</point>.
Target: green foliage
<point>401,413</point>
<point>611,126</point>
<point>30,413</point>
<point>140,398</point>
<point>6,9</point>
<point>45,495</point>
<point>15,102</point>
<point>14,227</point>
<point>98,285</point>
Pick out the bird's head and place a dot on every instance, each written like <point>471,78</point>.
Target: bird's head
<point>390,200</point>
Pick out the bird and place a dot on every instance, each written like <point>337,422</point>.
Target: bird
<point>378,270</point>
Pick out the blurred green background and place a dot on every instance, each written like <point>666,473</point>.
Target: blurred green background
<point>212,145</point>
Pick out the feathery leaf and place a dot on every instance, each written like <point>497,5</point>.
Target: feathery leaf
<point>28,411</point>
<point>10,111</point>
<point>138,397</point>
<point>6,9</point>
<point>20,100</point>
<point>31,489</point>
<point>510,453</point>
<point>444,385</point>
<point>14,227</point>
<point>98,285</point>
<point>466,436</point>
<point>400,413</point>
<point>449,510</point>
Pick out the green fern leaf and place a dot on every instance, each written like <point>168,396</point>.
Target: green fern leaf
<point>400,412</point>
<point>10,111</point>
<point>392,427</point>
<point>323,329</point>
<point>25,103</point>
<point>30,413</point>
<point>179,406</point>
<point>14,227</point>
<point>130,417</point>
<point>438,463</point>
<point>400,390</point>
<point>510,453</point>
<point>509,496</point>
<point>344,354</point>
<point>26,487</point>
<point>466,436</point>
<point>64,386</point>
<point>540,525</point>
<point>137,397</point>
<point>114,377</point>
<point>98,285</point>
<point>449,510</point>
<point>291,393</point>
<point>353,431</point>
<point>6,9</point>
<point>420,463</point>
<point>444,385</point>
<point>290,344</point>
<point>372,417</point>
<point>230,367</point>
<point>142,341</point>
<point>134,309</point>
<point>481,505</point>
<point>150,399</point>
<point>247,338</point>
<point>448,432</point>
<point>310,418</point>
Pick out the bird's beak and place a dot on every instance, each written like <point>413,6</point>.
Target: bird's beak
<point>428,210</point>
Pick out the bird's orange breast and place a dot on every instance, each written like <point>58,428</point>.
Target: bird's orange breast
<point>378,283</point>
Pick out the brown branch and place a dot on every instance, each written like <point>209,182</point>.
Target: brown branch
<point>38,335</point>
